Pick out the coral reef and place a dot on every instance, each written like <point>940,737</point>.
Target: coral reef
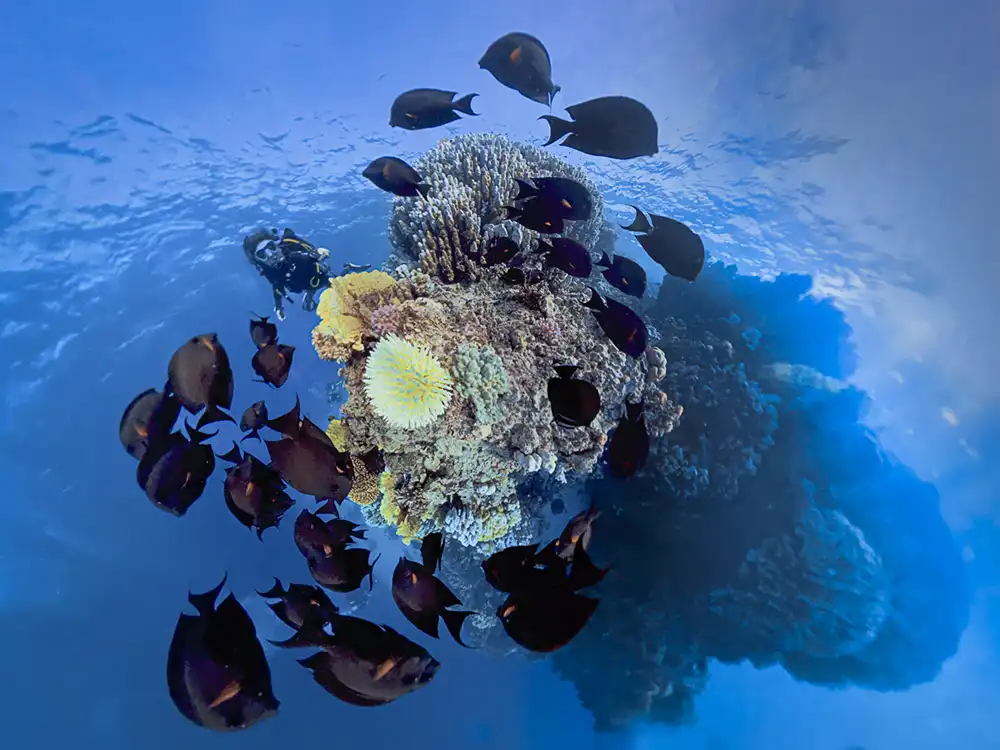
<point>458,473</point>
<point>826,557</point>
<point>472,178</point>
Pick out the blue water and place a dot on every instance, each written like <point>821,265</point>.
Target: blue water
<point>140,142</point>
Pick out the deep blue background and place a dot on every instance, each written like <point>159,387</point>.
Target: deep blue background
<point>139,141</point>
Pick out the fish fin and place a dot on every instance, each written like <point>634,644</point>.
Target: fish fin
<point>197,437</point>
<point>287,423</point>
<point>423,189</point>
<point>596,301</point>
<point>329,506</point>
<point>371,572</point>
<point>233,455</point>
<point>212,414</point>
<point>453,620</point>
<point>558,128</point>
<point>605,261</point>
<point>464,104</point>
<point>566,371</point>
<point>205,603</point>
<point>641,223</point>
<point>275,592</point>
<point>552,94</point>
<point>511,212</point>
<point>525,190</point>
<point>583,572</point>
<point>634,410</point>
<point>280,610</point>
<point>254,433</point>
<point>431,550</point>
<point>310,634</point>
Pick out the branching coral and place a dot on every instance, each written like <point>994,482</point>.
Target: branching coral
<point>472,178</point>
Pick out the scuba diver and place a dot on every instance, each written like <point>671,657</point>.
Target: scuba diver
<point>292,266</point>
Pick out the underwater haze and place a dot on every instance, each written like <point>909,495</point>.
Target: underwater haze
<point>810,556</point>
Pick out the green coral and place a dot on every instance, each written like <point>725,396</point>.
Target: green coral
<point>480,376</point>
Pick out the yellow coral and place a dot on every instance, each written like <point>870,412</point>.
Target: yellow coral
<point>343,320</point>
<point>337,432</point>
<point>498,524</point>
<point>406,527</point>
<point>406,385</point>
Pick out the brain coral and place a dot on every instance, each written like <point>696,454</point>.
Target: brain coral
<point>472,178</point>
<point>405,384</point>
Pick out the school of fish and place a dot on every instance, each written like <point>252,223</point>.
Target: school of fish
<point>217,672</point>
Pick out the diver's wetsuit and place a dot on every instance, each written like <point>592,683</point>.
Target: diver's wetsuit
<point>291,265</point>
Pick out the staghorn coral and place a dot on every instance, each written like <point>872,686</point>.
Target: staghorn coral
<point>472,178</point>
<point>480,377</point>
<point>407,387</point>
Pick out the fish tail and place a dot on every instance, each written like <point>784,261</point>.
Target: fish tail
<point>309,634</point>
<point>371,572</point>
<point>232,456</point>
<point>453,620</point>
<point>275,592</point>
<point>558,128</point>
<point>212,414</point>
<point>511,212</point>
<point>596,302</point>
<point>524,190</point>
<point>552,94</point>
<point>423,189</point>
<point>605,261</point>
<point>205,603</point>
<point>641,223</point>
<point>254,433</point>
<point>464,105</point>
<point>329,506</point>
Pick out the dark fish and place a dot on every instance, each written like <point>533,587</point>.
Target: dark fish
<point>373,461</point>
<point>574,402</point>
<point>676,247</point>
<point>300,604</point>
<point>521,62</point>
<point>545,619</point>
<point>262,332</point>
<point>397,177</point>
<point>623,274</point>
<point>272,363</point>
<point>422,597</point>
<point>200,377</point>
<point>511,568</point>
<point>254,492</point>
<point>513,276</point>
<point>217,673</point>
<point>419,109</point>
<point>316,537</point>
<point>628,448</point>
<point>577,532</point>
<point>331,562</point>
<point>362,663</point>
<point>620,323</point>
<point>614,126</point>
<point>672,244</point>
<point>567,255</point>
<point>175,477</point>
<point>537,216</point>
<point>147,420</point>
<point>499,250</point>
<point>253,419</point>
<point>562,197</point>
<point>308,460</point>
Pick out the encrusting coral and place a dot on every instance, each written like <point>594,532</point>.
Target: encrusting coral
<point>472,179</point>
